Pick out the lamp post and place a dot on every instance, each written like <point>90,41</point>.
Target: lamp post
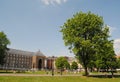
<point>52,65</point>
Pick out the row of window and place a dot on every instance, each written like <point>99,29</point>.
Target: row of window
<point>26,60</point>
<point>18,65</point>
<point>17,62</point>
<point>18,55</point>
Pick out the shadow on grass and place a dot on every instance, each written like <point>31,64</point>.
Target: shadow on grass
<point>6,72</point>
<point>104,76</point>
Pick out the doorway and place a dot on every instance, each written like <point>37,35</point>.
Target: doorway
<point>40,64</point>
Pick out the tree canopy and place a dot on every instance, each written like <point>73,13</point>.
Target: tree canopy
<point>3,46</point>
<point>61,63</point>
<point>84,34</point>
<point>74,65</point>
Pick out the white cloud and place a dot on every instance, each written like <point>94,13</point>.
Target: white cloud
<point>111,29</point>
<point>48,2</point>
<point>117,46</point>
<point>116,41</point>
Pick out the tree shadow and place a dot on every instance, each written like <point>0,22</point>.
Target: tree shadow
<point>104,76</point>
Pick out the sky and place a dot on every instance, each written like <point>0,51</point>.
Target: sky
<point>33,25</point>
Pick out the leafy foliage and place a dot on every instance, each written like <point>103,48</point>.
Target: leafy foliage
<point>67,65</point>
<point>61,63</point>
<point>118,62</point>
<point>3,46</point>
<point>86,35</point>
<point>74,65</point>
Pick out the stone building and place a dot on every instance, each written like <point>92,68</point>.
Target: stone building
<point>24,60</point>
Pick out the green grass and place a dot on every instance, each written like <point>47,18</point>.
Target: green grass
<point>52,79</point>
<point>38,72</point>
<point>20,72</point>
<point>56,79</point>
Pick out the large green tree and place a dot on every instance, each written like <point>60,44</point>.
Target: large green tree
<point>3,46</point>
<point>83,34</point>
<point>61,63</point>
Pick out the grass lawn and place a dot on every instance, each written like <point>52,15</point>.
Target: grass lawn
<point>56,79</point>
<point>37,72</point>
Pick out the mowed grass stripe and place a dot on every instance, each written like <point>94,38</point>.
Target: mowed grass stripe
<point>56,79</point>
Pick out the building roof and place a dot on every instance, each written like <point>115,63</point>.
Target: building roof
<point>118,56</point>
<point>22,52</point>
<point>39,53</point>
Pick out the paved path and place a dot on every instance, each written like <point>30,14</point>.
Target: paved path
<point>33,75</point>
<point>54,75</point>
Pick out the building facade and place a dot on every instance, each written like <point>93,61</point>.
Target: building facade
<point>24,60</point>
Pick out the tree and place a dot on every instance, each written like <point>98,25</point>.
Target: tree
<point>67,65</point>
<point>118,62</point>
<point>108,58</point>
<point>61,63</point>
<point>83,34</point>
<point>74,65</point>
<point>3,46</point>
<point>105,57</point>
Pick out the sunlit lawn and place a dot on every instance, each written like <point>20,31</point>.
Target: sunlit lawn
<point>56,79</point>
<point>38,72</point>
<point>53,78</point>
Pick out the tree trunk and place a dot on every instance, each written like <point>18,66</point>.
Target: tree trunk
<point>112,73</point>
<point>97,69</point>
<point>86,71</point>
<point>91,69</point>
<point>61,71</point>
<point>107,69</point>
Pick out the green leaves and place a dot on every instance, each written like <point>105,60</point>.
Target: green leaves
<point>87,36</point>
<point>3,46</point>
<point>74,65</point>
<point>61,63</point>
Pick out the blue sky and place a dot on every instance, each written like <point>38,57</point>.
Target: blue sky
<point>34,25</point>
